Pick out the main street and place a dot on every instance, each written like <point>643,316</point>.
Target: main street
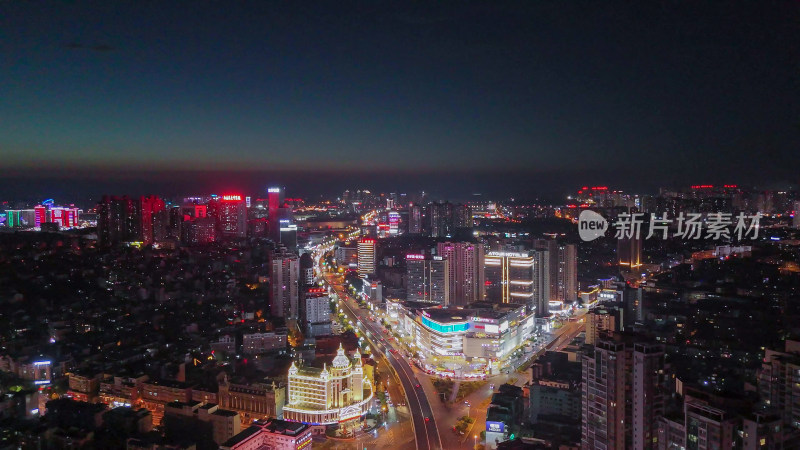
<point>425,429</point>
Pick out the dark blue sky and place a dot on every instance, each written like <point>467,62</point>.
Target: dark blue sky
<point>561,92</point>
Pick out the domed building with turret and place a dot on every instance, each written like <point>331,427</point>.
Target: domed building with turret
<point>332,394</point>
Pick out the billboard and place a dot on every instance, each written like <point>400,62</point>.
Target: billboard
<point>495,427</point>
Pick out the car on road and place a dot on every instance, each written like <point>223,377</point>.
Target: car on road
<point>427,419</point>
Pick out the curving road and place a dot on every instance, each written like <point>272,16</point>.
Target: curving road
<point>426,434</point>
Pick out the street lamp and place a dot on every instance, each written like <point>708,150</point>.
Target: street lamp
<point>475,444</point>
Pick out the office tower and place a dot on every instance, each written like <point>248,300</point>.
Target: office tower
<point>551,247</point>
<point>231,215</point>
<point>288,234</point>
<point>284,284</point>
<point>510,278</point>
<point>152,221</point>
<point>415,219</point>
<point>428,279</point>
<point>435,217</point>
<point>275,197</point>
<point>622,393</point>
<point>562,269</point>
<point>447,220</point>
<point>465,271</point>
<point>541,282</point>
<point>567,273</point>
<point>629,254</point>
<point>367,256</point>
<point>119,219</point>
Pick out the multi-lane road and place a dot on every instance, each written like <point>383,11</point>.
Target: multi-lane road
<point>424,423</point>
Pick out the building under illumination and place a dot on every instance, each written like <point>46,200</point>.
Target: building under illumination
<point>367,254</point>
<point>480,332</point>
<point>629,253</point>
<point>285,284</point>
<point>232,216</point>
<point>514,277</point>
<point>334,394</point>
<point>428,279</point>
<point>465,270</point>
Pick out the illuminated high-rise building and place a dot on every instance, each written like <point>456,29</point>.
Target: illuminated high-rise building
<point>567,281</point>
<point>437,219</point>
<point>514,277</point>
<point>562,269</point>
<point>119,219</point>
<point>40,215</point>
<point>462,217</point>
<point>629,253</point>
<point>152,219</point>
<point>622,393</point>
<point>393,218</point>
<point>779,383</point>
<point>65,217</point>
<point>367,256</point>
<point>415,219</point>
<point>275,196</point>
<point>503,268</point>
<point>199,231</point>
<point>284,285</point>
<point>446,219</point>
<point>428,279</point>
<point>288,234</point>
<point>231,215</point>
<point>465,271</point>
<point>541,282</point>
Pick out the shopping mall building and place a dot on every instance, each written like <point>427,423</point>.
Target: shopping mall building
<point>480,332</point>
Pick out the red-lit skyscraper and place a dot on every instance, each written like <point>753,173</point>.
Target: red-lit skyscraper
<point>232,216</point>
<point>275,205</point>
<point>152,218</point>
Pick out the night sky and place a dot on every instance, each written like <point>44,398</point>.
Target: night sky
<point>522,98</point>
